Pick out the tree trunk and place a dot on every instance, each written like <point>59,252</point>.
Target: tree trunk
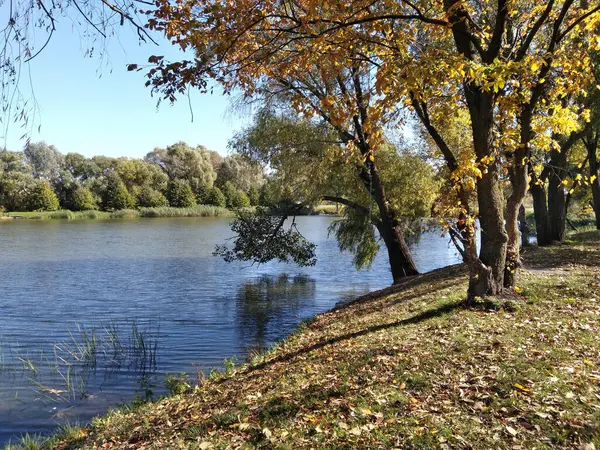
<point>487,272</point>
<point>401,261</point>
<point>523,227</point>
<point>592,148</point>
<point>557,199</point>
<point>540,212</point>
<point>519,185</point>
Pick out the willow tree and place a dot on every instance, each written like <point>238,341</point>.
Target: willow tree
<point>343,98</point>
<point>507,63</point>
<point>310,163</point>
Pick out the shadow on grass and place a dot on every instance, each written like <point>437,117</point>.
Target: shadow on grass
<point>421,317</point>
<point>562,255</point>
<point>408,289</point>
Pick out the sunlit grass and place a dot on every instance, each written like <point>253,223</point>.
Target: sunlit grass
<point>195,211</point>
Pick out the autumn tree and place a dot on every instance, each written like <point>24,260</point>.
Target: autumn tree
<point>344,99</point>
<point>591,141</point>
<point>506,63</point>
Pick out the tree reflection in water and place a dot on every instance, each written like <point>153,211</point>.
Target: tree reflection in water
<point>268,307</point>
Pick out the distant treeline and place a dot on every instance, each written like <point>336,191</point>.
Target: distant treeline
<point>40,178</point>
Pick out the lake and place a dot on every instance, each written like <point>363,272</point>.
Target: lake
<point>94,314</point>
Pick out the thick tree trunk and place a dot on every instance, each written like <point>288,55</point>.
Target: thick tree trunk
<point>488,279</point>
<point>487,272</point>
<point>401,261</point>
<point>540,212</point>
<point>557,198</point>
<point>592,148</point>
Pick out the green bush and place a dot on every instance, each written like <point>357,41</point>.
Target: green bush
<point>267,195</point>
<point>14,191</point>
<point>254,196</point>
<point>116,196</point>
<point>230,193</point>
<point>151,198</point>
<point>42,197</point>
<point>216,198</point>
<point>82,199</point>
<point>203,194</point>
<point>241,200</point>
<point>180,194</point>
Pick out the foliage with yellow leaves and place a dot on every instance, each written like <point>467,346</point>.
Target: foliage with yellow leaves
<point>508,63</point>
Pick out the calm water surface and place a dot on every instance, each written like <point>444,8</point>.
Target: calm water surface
<point>96,313</point>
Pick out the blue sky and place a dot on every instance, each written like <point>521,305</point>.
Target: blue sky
<point>94,107</point>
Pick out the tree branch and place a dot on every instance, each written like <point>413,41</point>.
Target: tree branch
<point>496,41</point>
<point>534,30</point>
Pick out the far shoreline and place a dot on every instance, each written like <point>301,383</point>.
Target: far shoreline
<point>159,212</point>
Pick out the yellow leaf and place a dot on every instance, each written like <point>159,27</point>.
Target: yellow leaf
<point>522,388</point>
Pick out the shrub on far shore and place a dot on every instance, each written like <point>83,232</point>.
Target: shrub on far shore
<point>43,197</point>
<point>217,198</point>
<point>82,199</point>
<point>180,194</point>
<point>151,198</point>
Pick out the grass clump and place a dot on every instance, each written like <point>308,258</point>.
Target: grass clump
<point>193,211</point>
<point>407,367</point>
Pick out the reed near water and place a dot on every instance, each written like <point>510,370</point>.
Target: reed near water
<point>163,211</point>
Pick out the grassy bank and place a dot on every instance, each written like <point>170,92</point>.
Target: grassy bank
<point>196,211</point>
<point>406,367</point>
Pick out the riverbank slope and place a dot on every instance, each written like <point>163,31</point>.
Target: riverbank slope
<point>406,367</point>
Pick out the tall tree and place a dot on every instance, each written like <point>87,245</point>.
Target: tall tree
<point>239,171</point>
<point>182,162</point>
<point>46,161</point>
